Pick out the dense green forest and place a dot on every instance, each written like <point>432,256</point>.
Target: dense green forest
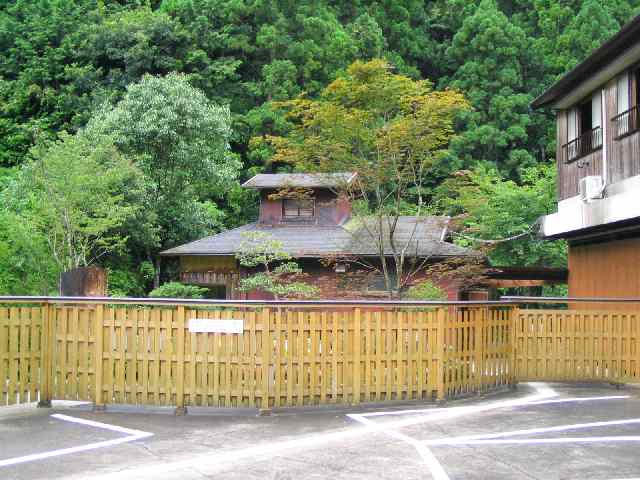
<point>126,127</point>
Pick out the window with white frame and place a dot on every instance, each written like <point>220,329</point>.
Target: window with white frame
<point>584,132</point>
<point>627,119</point>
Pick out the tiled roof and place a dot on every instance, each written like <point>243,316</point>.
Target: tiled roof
<point>424,237</point>
<point>302,180</point>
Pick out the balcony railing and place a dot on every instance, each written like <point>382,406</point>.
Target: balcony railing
<point>626,122</point>
<point>588,142</point>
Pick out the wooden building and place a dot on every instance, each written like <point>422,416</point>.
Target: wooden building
<point>597,106</point>
<point>312,228</point>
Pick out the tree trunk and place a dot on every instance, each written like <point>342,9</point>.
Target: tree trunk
<point>156,276</point>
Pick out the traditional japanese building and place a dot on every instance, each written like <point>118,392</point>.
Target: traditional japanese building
<point>313,228</point>
<point>597,106</point>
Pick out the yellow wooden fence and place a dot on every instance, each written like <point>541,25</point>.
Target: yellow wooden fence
<point>574,345</point>
<point>21,353</point>
<point>286,355</point>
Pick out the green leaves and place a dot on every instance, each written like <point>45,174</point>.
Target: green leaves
<point>490,207</point>
<point>180,141</point>
<point>73,194</point>
<point>275,273</point>
<point>178,290</point>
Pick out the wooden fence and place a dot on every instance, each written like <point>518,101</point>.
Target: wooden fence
<point>129,353</point>
<point>574,345</point>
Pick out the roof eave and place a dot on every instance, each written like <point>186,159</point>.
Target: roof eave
<point>627,35</point>
<point>248,184</point>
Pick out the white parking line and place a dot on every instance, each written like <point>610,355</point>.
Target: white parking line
<point>132,435</point>
<point>534,441</point>
<point>104,426</point>
<point>466,440</point>
<point>580,399</point>
<point>433,410</point>
<point>544,395</point>
<point>436,468</point>
<point>212,460</point>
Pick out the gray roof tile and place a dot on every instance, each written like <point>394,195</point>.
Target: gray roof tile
<point>424,239</point>
<point>301,180</point>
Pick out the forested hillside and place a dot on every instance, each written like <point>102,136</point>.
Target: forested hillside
<point>80,65</point>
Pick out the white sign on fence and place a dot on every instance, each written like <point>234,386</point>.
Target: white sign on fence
<point>205,325</point>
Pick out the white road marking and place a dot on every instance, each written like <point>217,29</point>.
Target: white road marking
<point>581,399</point>
<point>132,435</point>
<point>214,460</point>
<point>532,441</point>
<point>543,392</point>
<point>104,426</point>
<point>531,431</point>
<point>433,410</point>
<point>436,468</point>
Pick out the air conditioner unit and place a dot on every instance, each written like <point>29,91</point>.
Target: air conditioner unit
<point>591,188</point>
<point>340,267</point>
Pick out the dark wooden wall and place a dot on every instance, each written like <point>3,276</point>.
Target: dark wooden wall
<point>329,209</point>
<point>623,154</point>
<point>623,159</point>
<point>569,174</point>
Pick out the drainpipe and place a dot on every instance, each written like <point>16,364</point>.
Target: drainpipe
<point>605,122</point>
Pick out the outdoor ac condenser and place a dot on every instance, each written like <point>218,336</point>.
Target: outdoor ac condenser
<point>591,188</point>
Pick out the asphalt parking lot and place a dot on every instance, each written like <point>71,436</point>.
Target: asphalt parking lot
<point>539,431</point>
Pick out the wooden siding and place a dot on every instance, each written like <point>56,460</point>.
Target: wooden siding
<point>623,160</point>
<point>569,174</point>
<point>329,209</point>
<point>623,154</point>
<point>208,263</point>
<point>608,269</point>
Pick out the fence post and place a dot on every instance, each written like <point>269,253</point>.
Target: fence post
<point>479,344</point>
<point>180,322</point>
<point>266,358</point>
<point>440,353</point>
<point>356,356</point>
<point>46,360</point>
<point>513,330</point>
<point>98,357</point>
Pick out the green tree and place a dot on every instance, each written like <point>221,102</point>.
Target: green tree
<point>26,267</point>
<point>493,56</point>
<point>278,274</point>
<point>34,64</point>
<point>180,141</point>
<point>72,193</point>
<point>491,208</point>
<point>389,129</point>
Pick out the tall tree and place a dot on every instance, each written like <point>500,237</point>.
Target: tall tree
<point>74,190</point>
<point>494,57</point>
<point>389,129</point>
<point>180,141</point>
<point>487,207</point>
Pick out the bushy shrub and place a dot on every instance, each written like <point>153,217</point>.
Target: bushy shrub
<point>426,291</point>
<point>178,290</point>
